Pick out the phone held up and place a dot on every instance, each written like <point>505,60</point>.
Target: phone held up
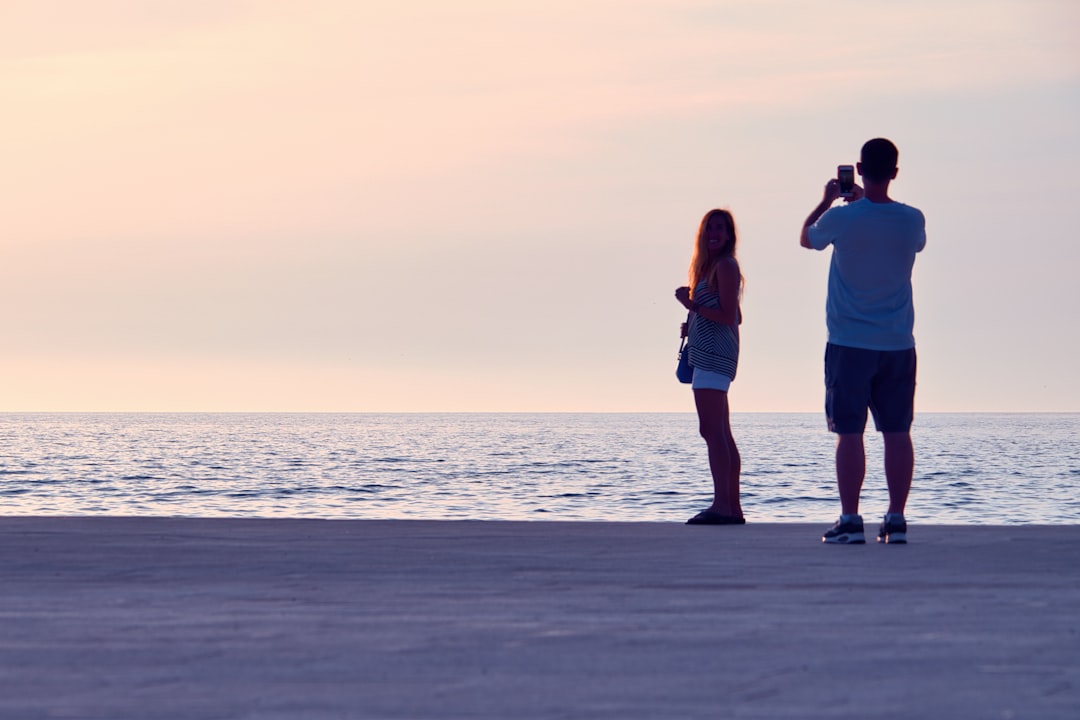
<point>845,176</point>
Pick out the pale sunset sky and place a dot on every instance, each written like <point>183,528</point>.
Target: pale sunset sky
<point>486,205</point>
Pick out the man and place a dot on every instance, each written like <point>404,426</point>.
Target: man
<point>870,356</point>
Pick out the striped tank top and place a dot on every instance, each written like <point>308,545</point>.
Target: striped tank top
<point>713,346</point>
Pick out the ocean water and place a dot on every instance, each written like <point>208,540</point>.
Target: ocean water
<point>970,468</point>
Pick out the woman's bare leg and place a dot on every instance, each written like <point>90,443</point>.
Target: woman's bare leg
<point>724,461</point>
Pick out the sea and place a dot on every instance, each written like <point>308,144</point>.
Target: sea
<point>971,468</point>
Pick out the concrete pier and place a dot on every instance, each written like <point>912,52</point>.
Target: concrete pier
<point>107,617</point>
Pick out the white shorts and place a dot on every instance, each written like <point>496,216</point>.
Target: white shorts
<point>709,380</point>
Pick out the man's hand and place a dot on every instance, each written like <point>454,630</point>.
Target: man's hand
<point>832,191</point>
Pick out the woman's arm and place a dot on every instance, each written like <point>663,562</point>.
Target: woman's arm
<point>727,286</point>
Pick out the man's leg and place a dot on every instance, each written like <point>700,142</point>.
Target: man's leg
<point>893,403</point>
<point>848,372</point>
<point>850,470</point>
<point>847,395</point>
<point>899,468</point>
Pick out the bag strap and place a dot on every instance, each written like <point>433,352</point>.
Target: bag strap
<point>683,338</point>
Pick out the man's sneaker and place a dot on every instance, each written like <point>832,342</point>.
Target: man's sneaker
<point>893,530</point>
<point>848,530</point>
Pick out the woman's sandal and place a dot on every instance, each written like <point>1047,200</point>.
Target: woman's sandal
<point>711,517</point>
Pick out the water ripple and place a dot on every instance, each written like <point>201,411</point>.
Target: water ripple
<point>971,468</point>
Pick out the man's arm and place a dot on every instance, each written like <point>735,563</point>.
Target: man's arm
<point>832,191</point>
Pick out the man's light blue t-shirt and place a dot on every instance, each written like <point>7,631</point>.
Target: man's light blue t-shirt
<point>874,246</point>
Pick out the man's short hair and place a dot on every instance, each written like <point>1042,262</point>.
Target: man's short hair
<point>878,159</point>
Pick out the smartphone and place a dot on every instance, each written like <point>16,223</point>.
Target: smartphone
<point>845,175</point>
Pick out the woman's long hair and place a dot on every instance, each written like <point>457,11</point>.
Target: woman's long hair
<point>703,263</point>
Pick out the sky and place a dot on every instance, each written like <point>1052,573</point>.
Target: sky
<point>486,205</point>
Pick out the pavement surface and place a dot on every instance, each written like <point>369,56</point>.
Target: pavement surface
<point>229,618</point>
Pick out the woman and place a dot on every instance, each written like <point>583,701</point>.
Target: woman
<point>713,303</point>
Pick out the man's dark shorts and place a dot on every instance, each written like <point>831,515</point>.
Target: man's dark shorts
<point>857,379</point>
